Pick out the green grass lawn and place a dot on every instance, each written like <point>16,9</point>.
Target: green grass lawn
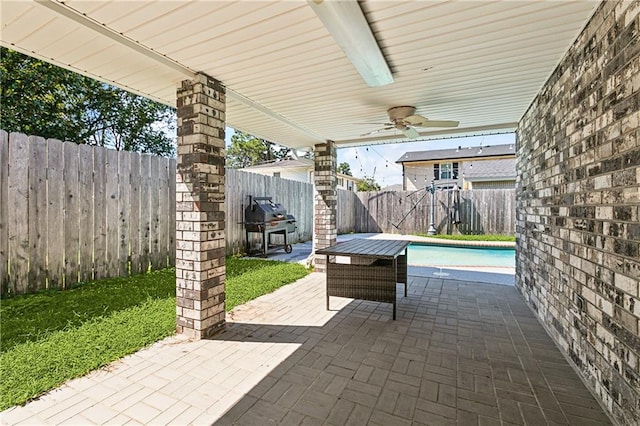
<point>50,337</point>
<point>474,237</point>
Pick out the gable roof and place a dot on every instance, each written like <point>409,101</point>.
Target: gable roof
<point>291,163</point>
<point>504,168</point>
<point>283,164</point>
<point>451,153</point>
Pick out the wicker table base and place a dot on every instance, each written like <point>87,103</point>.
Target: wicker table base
<point>368,276</point>
<point>375,282</point>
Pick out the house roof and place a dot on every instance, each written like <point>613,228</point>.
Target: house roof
<point>292,163</point>
<point>490,169</point>
<point>287,79</point>
<point>283,164</point>
<point>455,153</point>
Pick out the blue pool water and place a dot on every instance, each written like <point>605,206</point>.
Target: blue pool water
<point>443,256</point>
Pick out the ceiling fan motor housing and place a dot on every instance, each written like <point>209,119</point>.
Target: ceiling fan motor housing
<point>399,113</point>
<point>404,119</point>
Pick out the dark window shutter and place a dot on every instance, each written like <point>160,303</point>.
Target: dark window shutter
<point>436,171</point>
<point>455,170</point>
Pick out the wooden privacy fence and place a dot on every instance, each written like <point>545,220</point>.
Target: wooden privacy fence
<point>72,213</point>
<point>482,211</point>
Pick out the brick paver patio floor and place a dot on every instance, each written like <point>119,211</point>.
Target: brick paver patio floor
<point>459,353</point>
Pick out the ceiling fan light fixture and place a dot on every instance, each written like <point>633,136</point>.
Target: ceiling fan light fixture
<point>348,26</point>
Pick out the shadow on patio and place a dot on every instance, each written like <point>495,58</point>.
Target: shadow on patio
<point>459,353</point>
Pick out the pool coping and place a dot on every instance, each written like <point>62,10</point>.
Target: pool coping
<point>303,252</point>
<point>444,242</point>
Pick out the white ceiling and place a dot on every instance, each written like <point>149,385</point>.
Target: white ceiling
<point>478,62</point>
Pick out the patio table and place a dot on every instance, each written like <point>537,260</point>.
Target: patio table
<point>374,268</point>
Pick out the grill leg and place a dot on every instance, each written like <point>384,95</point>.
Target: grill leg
<point>264,243</point>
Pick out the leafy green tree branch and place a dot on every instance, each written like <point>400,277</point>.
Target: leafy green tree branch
<point>39,98</point>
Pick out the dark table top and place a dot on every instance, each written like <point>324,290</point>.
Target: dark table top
<point>382,249</point>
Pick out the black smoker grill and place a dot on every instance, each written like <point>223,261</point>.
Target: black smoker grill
<point>264,216</point>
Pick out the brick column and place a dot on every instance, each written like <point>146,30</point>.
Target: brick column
<point>325,199</point>
<point>200,221</point>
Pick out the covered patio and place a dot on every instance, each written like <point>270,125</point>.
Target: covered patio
<point>563,75</point>
<point>460,352</point>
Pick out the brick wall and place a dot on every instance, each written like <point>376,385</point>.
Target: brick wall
<point>578,203</point>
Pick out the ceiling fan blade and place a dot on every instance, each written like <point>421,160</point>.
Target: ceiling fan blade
<point>438,123</point>
<point>410,132</point>
<point>378,123</point>
<point>378,131</point>
<point>415,120</point>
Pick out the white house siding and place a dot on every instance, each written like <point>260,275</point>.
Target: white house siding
<point>420,176</point>
<point>301,175</point>
<point>348,183</point>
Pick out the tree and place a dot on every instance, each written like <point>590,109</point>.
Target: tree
<point>129,122</point>
<point>367,184</point>
<point>344,168</point>
<point>41,99</point>
<point>246,150</point>
<point>36,99</point>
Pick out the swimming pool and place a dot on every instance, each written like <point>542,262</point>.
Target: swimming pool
<point>446,256</point>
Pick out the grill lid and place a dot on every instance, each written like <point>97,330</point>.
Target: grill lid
<point>264,210</point>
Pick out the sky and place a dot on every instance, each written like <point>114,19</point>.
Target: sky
<point>379,161</point>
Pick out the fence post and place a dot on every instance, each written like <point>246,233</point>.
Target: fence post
<point>55,213</point>
<point>17,226</point>
<point>72,215</point>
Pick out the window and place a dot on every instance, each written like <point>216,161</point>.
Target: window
<point>276,174</point>
<point>341,182</point>
<point>445,171</point>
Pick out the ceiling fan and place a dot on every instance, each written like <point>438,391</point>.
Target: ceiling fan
<point>404,119</point>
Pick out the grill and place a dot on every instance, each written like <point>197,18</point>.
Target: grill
<point>267,218</point>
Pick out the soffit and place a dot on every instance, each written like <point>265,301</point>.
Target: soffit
<point>480,62</point>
